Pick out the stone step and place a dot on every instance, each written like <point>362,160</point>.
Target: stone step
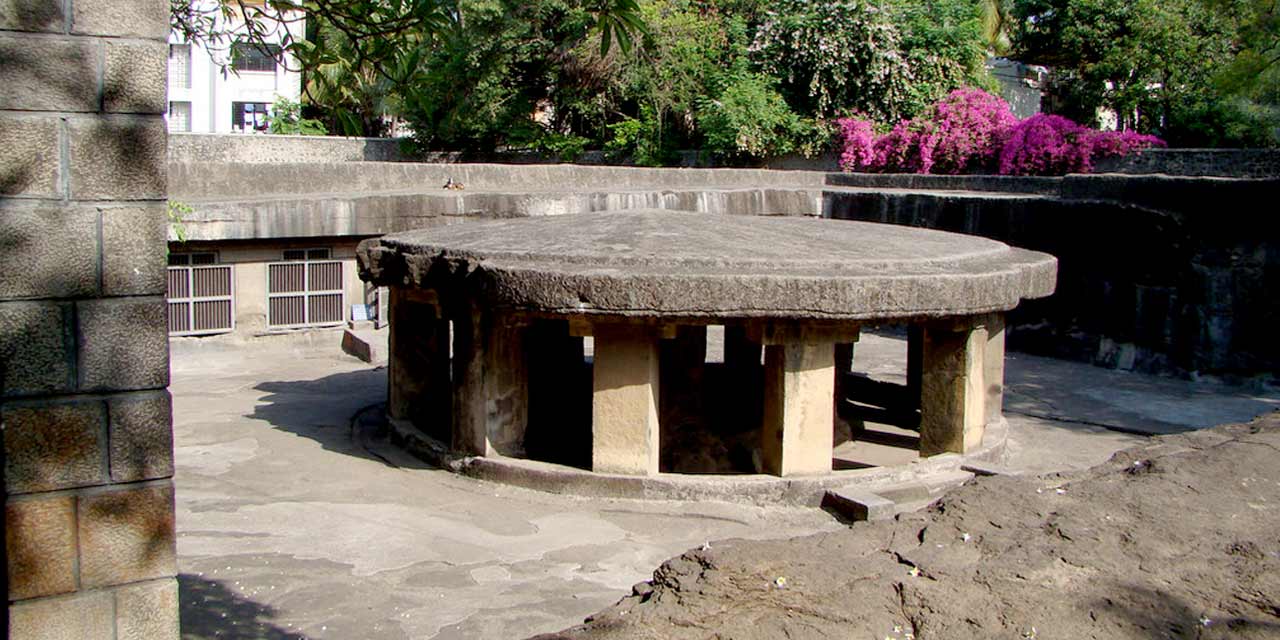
<point>884,502</point>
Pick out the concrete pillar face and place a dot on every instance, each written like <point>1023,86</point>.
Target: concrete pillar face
<point>993,367</point>
<point>799,387</point>
<point>624,407</point>
<point>953,394</point>
<point>490,383</point>
<point>418,383</point>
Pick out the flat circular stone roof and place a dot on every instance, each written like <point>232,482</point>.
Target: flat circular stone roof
<point>695,265</point>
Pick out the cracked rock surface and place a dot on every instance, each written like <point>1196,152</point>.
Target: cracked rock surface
<point>1176,538</point>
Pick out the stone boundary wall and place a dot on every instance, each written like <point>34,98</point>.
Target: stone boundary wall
<point>262,149</point>
<point>88,460</point>
<point>1156,273</point>
<point>201,181</point>
<point>1223,163</point>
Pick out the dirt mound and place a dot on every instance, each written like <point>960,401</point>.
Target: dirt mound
<point>1179,538</point>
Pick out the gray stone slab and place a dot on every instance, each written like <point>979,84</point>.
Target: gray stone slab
<point>672,264</point>
<point>860,505</point>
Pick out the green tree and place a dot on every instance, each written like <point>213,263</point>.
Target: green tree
<point>1155,63</point>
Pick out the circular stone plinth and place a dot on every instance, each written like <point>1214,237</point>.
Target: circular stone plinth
<point>671,264</point>
<point>935,473</point>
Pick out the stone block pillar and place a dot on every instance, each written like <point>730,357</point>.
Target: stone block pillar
<point>418,386</point>
<point>993,367</point>
<point>953,411</point>
<point>490,382</point>
<point>624,407</point>
<point>88,449</point>
<point>799,387</point>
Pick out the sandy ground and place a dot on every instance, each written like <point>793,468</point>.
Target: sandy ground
<point>1176,538</point>
<point>294,524</point>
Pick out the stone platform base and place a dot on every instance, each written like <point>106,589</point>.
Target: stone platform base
<point>809,490</point>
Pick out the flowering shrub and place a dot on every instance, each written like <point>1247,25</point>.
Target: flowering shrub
<point>1046,145</point>
<point>972,130</point>
<point>1114,144</point>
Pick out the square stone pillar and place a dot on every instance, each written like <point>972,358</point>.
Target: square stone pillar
<point>953,391</point>
<point>624,411</point>
<point>418,386</point>
<point>993,368</point>
<point>490,382</point>
<point>798,428</point>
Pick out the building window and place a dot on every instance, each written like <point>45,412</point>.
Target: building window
<point>179,117</point>
<point>248,57</point>
<point>249,116</point>
<point>180,66</point>
<point>201,295</point>
<point>305,290</point>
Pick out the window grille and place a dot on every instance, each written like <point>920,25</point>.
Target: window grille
<point>248,57</point>
<point>180,66</point>
<point>201,295</point>
<point>305,290</point>
<point>249,116</point>
<point>179,117</point>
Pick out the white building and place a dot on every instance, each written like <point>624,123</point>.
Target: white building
<point>204,99</point>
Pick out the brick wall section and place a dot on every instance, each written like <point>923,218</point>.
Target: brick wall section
<point>88,450</point>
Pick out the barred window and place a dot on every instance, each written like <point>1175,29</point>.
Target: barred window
<point>179,117</point>
<point>180,66</point>
<point>248,57</point>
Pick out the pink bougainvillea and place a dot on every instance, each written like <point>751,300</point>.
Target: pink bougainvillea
<point>1046,145</point>
<point>972,130</point>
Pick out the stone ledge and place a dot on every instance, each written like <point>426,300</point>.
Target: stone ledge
<point>749,489</point>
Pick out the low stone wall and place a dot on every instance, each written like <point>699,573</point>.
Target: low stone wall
<point>1155,274</point>
<point>259,149</point>
<point>1224,163</point>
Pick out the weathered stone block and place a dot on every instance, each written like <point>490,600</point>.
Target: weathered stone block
<point>36,348</point>
<point>624,422</point>
<point>126,536</point>
<point>48,251</point>
<point>124,344</point>
<point>132,18</point>
<point>799,408</point>
<point>136,77</point>
<point>141,436</point>
<point>118,157</point>
<point>133,257</point>
<point>78,617</point>
<point>859,505</point>
<point>31,15</point>
<point>40,543</point>
<point>54,446</point>
<point>29,156</point>
<point>147,611</point>
<point>48,74</point>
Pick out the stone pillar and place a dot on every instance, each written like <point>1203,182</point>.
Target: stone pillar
<point>418,386</point>
<point>799,384</point>
<point>490,383</point>
<point>624,406</point>
<point>993,367</point>
<point>88,448</point>
<point>953,394</point>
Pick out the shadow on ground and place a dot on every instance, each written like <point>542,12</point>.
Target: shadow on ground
<point>208,610</point>
<point>1159,614</point>
<point>343,412</point>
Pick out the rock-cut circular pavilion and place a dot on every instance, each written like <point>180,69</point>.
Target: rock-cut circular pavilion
<point>487,358</point>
